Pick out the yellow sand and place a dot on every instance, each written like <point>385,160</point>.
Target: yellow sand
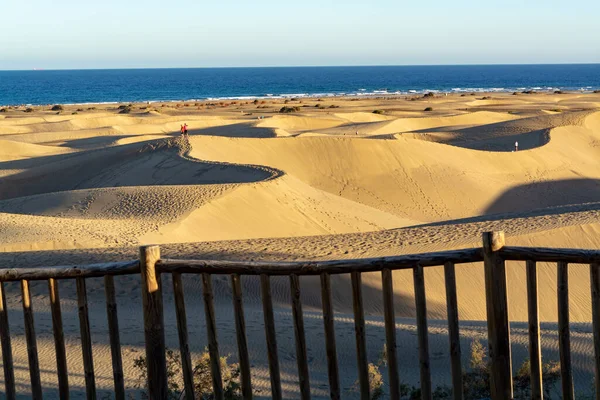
<point>320,183</point>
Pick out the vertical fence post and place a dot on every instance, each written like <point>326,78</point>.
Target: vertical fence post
<point>595,286</point>
<point>153,323</point>
<point>501,387</point>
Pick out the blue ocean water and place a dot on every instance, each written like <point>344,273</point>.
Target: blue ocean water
<point>125,85</point>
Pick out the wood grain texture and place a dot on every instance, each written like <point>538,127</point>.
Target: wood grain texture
<point>115,340</point>
<point>7,358</point>
<point>501,387</point>
<point>154,330</point>
<point>271,337</point>
<point>453,331</point>
<point>86,340</point>
<point>330,346</point>
<point>303,375</point>
<point>59,340</point>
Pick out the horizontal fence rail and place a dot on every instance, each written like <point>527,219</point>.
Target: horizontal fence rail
<point>150,266</point>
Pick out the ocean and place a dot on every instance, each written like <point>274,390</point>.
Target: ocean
<point>178,84</point>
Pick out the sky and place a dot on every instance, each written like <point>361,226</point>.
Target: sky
<point>74,34</point>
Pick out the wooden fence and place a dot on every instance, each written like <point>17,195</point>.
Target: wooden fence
<point>493,253</point>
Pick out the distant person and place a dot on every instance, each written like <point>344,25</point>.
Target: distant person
<point>181,130</point>
<point>516,146</point>
<point>185,130</point>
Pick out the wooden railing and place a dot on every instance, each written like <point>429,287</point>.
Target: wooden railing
<point>150,266</point>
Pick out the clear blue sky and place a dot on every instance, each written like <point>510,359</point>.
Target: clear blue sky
<point>56,34</point>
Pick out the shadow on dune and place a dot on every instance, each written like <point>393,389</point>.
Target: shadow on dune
<point>541,195</point>
<point>545,198</point>
<point>530,132</point>
<point>129,165</point>
<point>242,130</point>
<point>93,142</point>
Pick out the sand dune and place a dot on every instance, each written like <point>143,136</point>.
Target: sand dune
<point>92,186</point>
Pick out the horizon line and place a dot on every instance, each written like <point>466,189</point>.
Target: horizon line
<point>38,69</point>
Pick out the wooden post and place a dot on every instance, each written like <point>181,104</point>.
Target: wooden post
<point>535,350</point>
<point>7,359</point>
<point>211,332</point>
<point>86,340</point>
<point>390,333</point>
<point>153,323</point>
<point>422,333</point>
<point>300,338</point>
<point>359,333</point>
<point>453,330</point>
<point>501,387</point>
<point>32,353</point>
<point>184,346</point>
<point>330,347</point>
<point>564,337</point>
<point>267,302</point>
<point>240,329</point>
<point>595,285</point>
<point>59,340</point>
<point>113,333</point>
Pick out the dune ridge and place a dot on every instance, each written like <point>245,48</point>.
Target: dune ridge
<point>323,183</point>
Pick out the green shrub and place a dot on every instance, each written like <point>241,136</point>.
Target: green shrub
<point>3,110</point>
<point>28,110</point>
<point>428,109</point>
<point>125,109</point>
<point>476,379</point>
<point>378,112</point>
<point>202,377</point>
<point>558,92</point>
<point>430,94</point>
<point>57,107</point>
<point>289,109</point>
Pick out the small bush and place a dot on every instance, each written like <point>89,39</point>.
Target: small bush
<point>28,110</point>
<point>428,109</point>
<point>378,112</point>
<point>596,91</point>
<point>334,106</point>
<point>79,109</point>
<point>202,377</point>
<point>558,92</point>
<point>125,109</point>
<point>3,110</point>
<point>430,94</point>
<point>515,93</point>
<point>74,113</point>
<point>57,107</point>
<point>285,110</point>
